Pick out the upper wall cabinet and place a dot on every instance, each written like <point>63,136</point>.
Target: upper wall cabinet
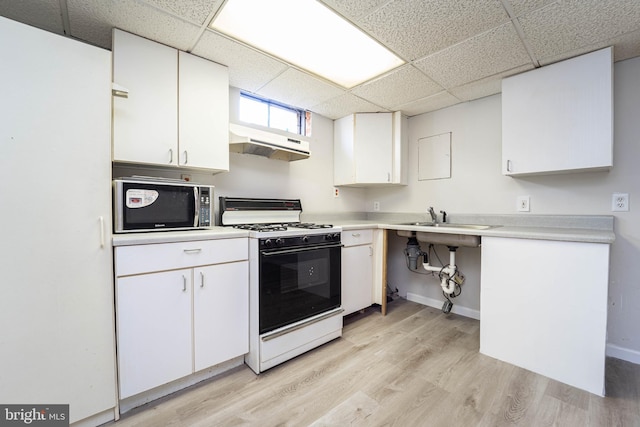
<point>370,149</point>
<point>177,110</point>
<point>559,118</point>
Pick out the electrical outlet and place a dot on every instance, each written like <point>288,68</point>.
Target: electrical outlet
<point>336,192</point>
<point>620,202</point>
<point>523,204</point>
<point>376,206</point>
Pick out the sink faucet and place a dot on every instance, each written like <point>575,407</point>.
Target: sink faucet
<point>434,216</point>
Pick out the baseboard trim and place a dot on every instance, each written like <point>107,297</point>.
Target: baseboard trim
<point>622,353</point>
<point>432,302</point>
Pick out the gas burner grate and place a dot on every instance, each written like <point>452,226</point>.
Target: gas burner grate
<point>262,227</point>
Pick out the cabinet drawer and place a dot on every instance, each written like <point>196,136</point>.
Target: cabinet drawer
<point>168,256</point>
<point>357,237</point>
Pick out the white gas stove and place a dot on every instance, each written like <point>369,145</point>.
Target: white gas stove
<point>294,279</point>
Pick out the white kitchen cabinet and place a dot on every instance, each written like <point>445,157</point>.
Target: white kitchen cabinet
<point>180,308</point>
<point>544,307</point>
<point>177,110</point>
<point>220,310</point>
<point>154,329</point>
<point>370,149</point>
<point>357,270</point>
<point>559,118</point>
<point>56,308</point>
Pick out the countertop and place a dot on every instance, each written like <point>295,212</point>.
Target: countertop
<point>590,229</point>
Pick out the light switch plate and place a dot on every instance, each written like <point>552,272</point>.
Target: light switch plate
<point>620,202</point>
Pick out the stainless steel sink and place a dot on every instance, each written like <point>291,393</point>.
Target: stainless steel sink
<point>448,239</point>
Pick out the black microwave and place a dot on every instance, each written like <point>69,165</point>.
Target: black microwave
<point>155,204</point>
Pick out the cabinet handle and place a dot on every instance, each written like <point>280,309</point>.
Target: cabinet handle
<point>170,155</point>
<point>201,279</point>
<point>388,176</point>
<point>370,251</point>
<point>355,234</point>
<point>186,158</point>
<point>101,232</point>
<point>509,166</point>
<point>184,283</point>
<point>192,251</point>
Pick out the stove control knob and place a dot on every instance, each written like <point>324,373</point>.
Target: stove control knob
<point>268,243</point>
<point>279,242</point>
<point>305,239</point>
<point>336,236</point>
<point>328,237</point>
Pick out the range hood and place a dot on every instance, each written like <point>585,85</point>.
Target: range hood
<point>248,140</point>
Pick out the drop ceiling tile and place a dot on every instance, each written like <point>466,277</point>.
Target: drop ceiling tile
<point>490,53</point>
<point>298,89</point>
<point>344,105</point>
<point>248,68</point>
<point>430,103</point>
<point>624,47</point>
<point>196,11</point>
<point>401,86</point>
<point>574,24</point>
<point>414,29</point>
<point>43,14</point>
<point>525,6</point>
<point>93,22</point>
<point>354,9</point>
<point>487,86</point>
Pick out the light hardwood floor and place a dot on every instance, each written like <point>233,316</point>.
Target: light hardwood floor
<point>413,367</point>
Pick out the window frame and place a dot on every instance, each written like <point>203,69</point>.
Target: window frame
<point>301,115</point>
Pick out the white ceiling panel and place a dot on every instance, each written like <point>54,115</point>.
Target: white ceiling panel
<point>399,87</point>
<point>299,89</point>
<point>570,25</point>
<point>417,28</point>
<point>248,68</point>
<point>431,103</point>
<point>487,86</point>
<point>521,7</point>
<point>344,105</point>
<point>196,11</point>
<point>492,52</point>
<point>354,9</point>
<point>93,21</point>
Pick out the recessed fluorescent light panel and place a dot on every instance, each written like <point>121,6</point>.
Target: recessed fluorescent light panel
<point>309,35</point>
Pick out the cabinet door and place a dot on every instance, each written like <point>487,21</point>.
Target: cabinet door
<point>544,307</point>
<point>153,313</point>
<point>145,125</point>
<point>221,313</point>
<point>203,113</point>
<point>343,155</point>
<point>373,147</point>
<point>559,117</point>
<point>357,278</point>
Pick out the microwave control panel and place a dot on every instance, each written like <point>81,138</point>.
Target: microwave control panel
<point>205,207</point>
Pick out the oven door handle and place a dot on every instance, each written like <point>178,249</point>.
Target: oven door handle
<point>296,250</point>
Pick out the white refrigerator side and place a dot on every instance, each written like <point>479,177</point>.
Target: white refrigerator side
<point>56,309</point>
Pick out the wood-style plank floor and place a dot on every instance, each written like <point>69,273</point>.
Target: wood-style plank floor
<point>413,367</point>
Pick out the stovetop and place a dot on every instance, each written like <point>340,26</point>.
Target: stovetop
<point>282,226</point>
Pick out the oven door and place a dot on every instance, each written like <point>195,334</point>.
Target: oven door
<point>297,283</point>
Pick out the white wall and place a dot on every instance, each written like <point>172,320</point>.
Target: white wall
<point>477,186</point>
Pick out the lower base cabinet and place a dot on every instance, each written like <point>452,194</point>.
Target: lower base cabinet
<point>173,323</point>
<point>544,307</point>
<point>357,270</point>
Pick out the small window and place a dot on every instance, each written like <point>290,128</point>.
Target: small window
<point>265,112</point>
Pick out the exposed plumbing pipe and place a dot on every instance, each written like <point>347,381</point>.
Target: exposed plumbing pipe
<point>447,273</point>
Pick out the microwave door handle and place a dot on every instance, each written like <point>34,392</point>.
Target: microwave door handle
<point>196,217</point>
